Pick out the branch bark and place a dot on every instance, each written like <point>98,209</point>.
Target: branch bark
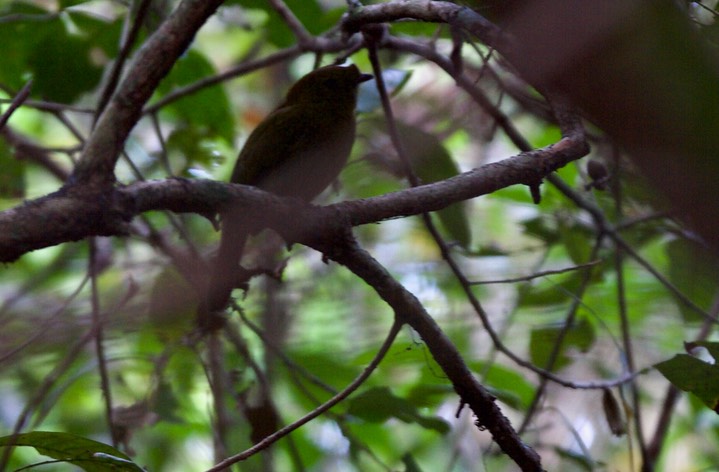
<point>71,215</point>
<point>153,61</point>
<point>340,246</point>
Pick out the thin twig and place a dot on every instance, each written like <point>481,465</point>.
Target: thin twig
<point>537,275</point>
<point>218,387</point>
<point>99,347</point>
<point>128,43</point>
<point>16,103</point>
<point>627,345</point>
<point>556,351</point>
<point>44,388</point>
<point>347,391</point>
<point>298,29</point>
<point>654,448</point>
<point>242,69</point>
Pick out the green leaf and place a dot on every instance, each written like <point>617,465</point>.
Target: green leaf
<point>507,384</point>
<point>418,28</point>
<point>309,12</point>
<point>431,162</point>
<point>64,64</point>
<point>577,240</point>
<point>189,145</point>
<point>98,31</point>
<point>12,177</point>
<point>557,289</point>
<point>208,110</point>
<point>18,39</point>
<point>379,404</point>
<point>70,3</point>
<point>424,394</point>
<point>692,375</point>
<point>540,229</point>
<point>692,269</point>
<point>172,305</point>
<point>61,63</point>
<point>580,460</point>
<point>64,57</point>
<point>543,340</point>
<point>89,455</point>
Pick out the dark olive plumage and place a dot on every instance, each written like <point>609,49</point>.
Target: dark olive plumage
<point>298,151</point>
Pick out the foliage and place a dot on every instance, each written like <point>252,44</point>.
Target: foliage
<point>556,307</point>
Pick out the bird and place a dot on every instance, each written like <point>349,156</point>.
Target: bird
<point>298,150</point>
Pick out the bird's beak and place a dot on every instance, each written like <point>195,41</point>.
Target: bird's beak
<point>364,78</point>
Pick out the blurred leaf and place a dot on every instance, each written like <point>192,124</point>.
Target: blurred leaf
<point>692,269</point>
<point>172,305</point>
<point>64,64</point>
<point>507,384</point>
<point>100,32</point>
<point>12,177</point>
<point>325,365</point>
<point>430,162</point>
<point>165,403</point>
<point>424,395</point>
<point>581,461</point>
<point>61,64</point>
<point>89,455</point>
<point>540,229</point>
<point>543,340</point>
<point>19,38</point>
<point>692,375</point>
<point>577,240</point>
<point>379,404</point>
<point>309,12</point>
<point>189,145</point>
<point>555,290</point>
<point>69,3</point>
<point>418,28</point>
<point>208,111</point>
<point>546,135</point>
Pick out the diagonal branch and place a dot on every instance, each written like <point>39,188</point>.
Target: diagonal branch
<point>152,63</point>
<point>343,248</point>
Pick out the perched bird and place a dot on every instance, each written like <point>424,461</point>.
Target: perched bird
<point>297,151</point>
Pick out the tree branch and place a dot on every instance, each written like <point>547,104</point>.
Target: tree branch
<point>73,214</point>
<point>153,62</point>
<point>343,248</point>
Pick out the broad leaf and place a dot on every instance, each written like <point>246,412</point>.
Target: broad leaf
<point>89,455</point>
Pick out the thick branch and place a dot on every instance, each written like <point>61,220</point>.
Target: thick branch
<point>72,214</point>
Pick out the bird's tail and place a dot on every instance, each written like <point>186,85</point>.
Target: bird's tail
<point>225,272</point>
